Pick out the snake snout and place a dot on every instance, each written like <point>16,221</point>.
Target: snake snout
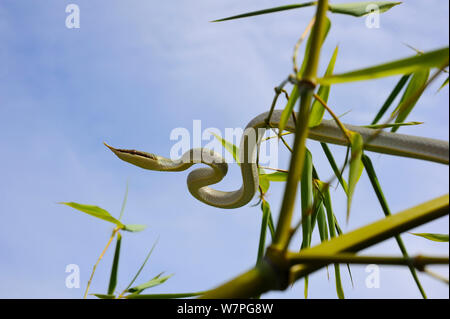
<point>138,158</point>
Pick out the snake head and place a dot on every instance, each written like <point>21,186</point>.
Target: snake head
<point>138,158</point>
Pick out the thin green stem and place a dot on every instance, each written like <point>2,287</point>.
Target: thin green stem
<point>306,88</point>
<point>316,42</point>
<point>295,172</point>
<point>418,262</point>
<point>100,258</point>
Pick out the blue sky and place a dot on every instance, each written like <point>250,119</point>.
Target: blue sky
<point>136,70</point>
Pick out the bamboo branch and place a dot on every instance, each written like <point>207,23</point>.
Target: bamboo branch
<point>374,233</point>
<point>266,276</point>
<point>418,262</point>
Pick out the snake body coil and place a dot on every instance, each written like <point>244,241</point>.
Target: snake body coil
<point>199,179</point>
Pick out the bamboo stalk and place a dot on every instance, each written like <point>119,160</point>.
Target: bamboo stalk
<point>306,88</point>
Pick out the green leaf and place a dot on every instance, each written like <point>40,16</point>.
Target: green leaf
<point>316,204</point>
<point>295,94</point>
<point>134,228</point>
<point>165,296</point>
<point>306,191</point>
<point>230,147</point>
<point>317,110</point>
<point>124,203</point>
<point>359,9</point>
<point>340,233</point>
<point>443,84</point>
<point>322,224</point>
<point>339,289</point>
<point>391,98</point>
<point>96,212</point>
<point>388,125</point>
<point>266,11</point>
<point>333,165</point>
<point>433,59</point>
<point>115,266</point>
<point>433,237</point>
<point>416,84</point>
<point>103,296</point>
<point>387,212</point>
<point>325,191</point>
<point>356,167</point>
<point>234,150</point>
<point>158,280</point>
<point>355,9</point>
<point>142,266</point>
<point>275,177</point>
<point>264,183</point>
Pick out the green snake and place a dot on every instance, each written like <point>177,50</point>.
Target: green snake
<point>198,180</point>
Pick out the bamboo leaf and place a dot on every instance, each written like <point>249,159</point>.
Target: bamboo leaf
<point>275,177</point>
<point>266,11</point>
<point>316,201</point>
<point>115,266</point>
<point>443,84</point>
<point>356,167</point>
<point>418,80</point>
<point>264,183</point>
<point>293,97</point>
<point>433,59</point>
<point>317,110</point>
<point>387,212</point>
<point>158,280</point>
<point>340,233</point>
<point>355,9</point>
<point>95,211</point>
<point>433,237</point>
<point>359,9</point>
<point>306,190</point>
<point>143,265</point>
<point>322,224</point>
<point>134,228</point>
<point>333,165</point>
<point>339,289</point>
<point>124,203</point>
<point>397,89</point>
<point>230,147</point>
<point>324,189</point>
